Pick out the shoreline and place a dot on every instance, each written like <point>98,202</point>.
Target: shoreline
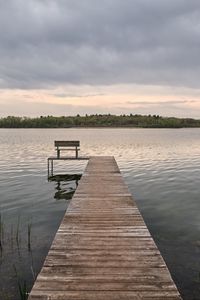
<point>102,127</point>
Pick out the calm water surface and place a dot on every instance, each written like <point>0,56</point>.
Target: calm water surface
<point>161,167</point>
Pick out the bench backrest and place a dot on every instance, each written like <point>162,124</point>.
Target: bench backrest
<point>67,143</point>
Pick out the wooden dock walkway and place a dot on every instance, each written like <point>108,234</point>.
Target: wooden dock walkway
<point>103,249</point>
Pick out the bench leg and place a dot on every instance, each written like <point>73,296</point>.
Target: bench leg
<point>76,152</point>
<point>58,153</point>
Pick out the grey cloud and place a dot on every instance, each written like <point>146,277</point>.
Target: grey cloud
<point>65,95</point>
<point>160,103</point>
<point>23,108</point>
<point>49,43</point>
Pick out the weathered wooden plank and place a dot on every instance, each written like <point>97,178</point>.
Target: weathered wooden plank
<point>99,295</point>
<point>103,249</point>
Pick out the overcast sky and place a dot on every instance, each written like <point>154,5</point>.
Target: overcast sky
<point>64,57</point>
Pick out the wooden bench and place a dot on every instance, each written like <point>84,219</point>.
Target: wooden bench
<point>67,146</point>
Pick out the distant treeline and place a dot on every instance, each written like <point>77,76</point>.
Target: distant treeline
<point>107,120</point>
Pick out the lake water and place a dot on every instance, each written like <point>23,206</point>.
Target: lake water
<point>160,166</point>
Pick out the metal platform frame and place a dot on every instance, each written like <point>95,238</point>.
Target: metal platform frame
<point>50,161</point>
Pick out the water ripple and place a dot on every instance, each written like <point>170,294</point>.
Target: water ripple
<point>161,168</point>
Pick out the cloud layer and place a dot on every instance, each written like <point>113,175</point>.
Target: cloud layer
<point>47,43</point>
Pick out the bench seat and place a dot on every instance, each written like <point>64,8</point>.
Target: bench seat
<point>67,146</point>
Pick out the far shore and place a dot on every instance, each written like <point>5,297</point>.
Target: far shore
<point>100,127</point>
<point>99,121</point>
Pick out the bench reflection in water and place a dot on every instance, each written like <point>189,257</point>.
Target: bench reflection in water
<point>66,185</point>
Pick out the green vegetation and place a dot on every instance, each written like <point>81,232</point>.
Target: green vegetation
<point>108,120</point>
<point>22,286</point>
<point>12,244</point>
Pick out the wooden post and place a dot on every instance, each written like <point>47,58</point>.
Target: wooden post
<point>58,152</point>
<point>52,167</point>
<point>48,167</point>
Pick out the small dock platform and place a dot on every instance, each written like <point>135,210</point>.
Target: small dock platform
<point>64,146</point>
<point>103,249</point>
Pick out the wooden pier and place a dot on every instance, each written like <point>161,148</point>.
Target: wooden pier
<point>103,249</point>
